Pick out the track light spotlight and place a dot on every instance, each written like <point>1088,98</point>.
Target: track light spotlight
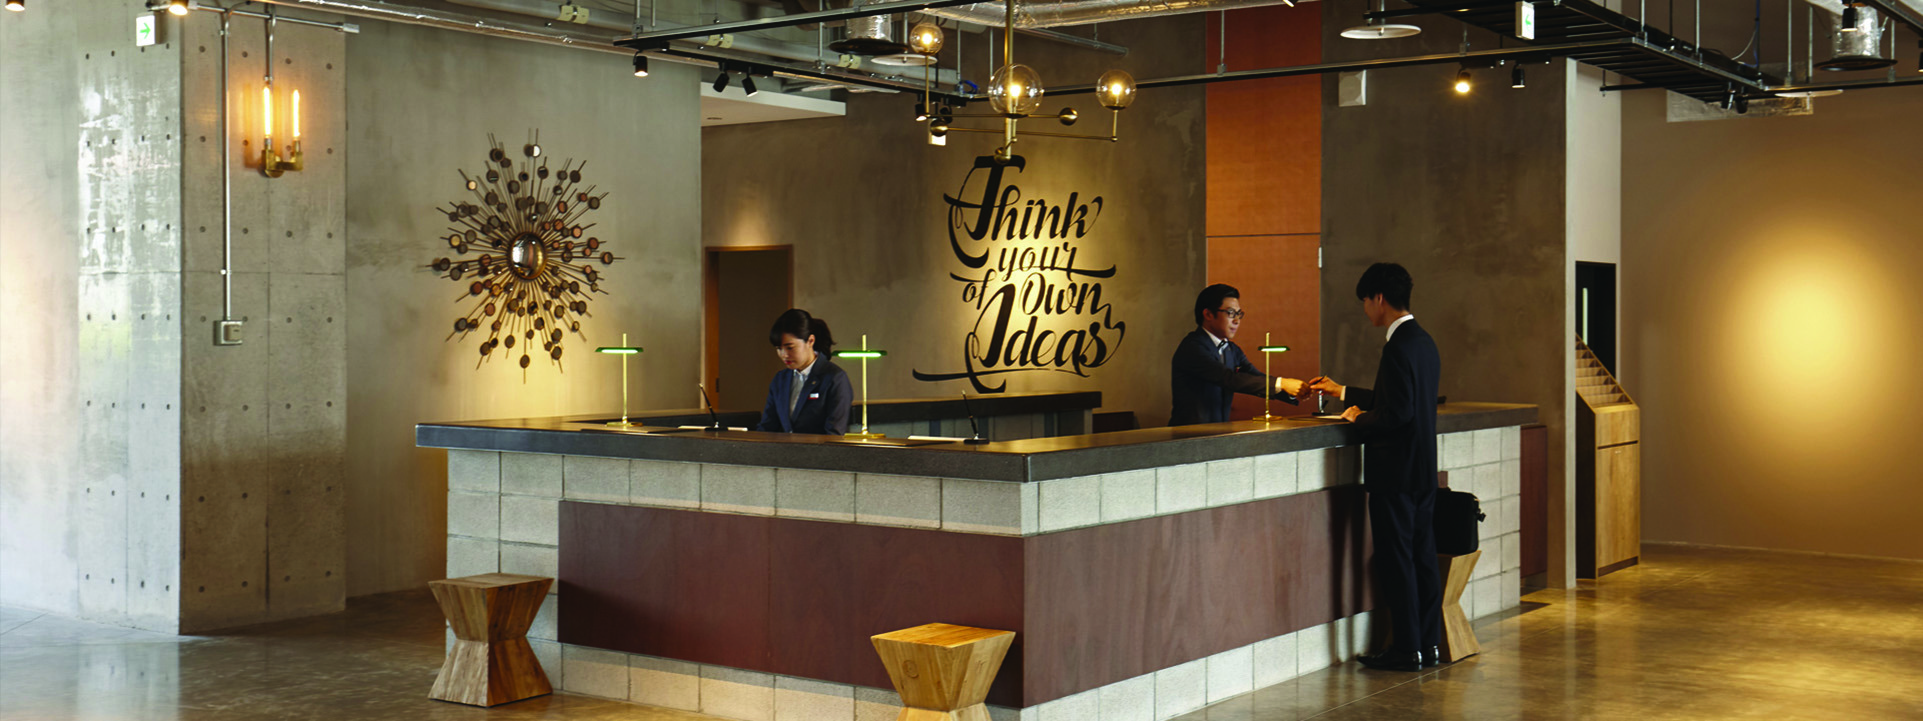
<point>1462,81</point>
<point>17,5</point>
<point>1742,105</point>
<point>721,81</point>
<point>179,7</point>
<point>748,85</point>
<point>1849,18</point>
<point>921,111</point>
<point>1515,77</point>
<point>640,65</point>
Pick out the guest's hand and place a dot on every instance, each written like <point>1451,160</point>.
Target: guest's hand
<point>1351,413</point>
<point>1327,385</point>
<point>1291,386</point>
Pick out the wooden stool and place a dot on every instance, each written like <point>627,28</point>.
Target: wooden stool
<point>1458,640</point>
<point>491,662</point>
<point>943,671</point>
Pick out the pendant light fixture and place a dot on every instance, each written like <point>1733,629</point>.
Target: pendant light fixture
<point>1375,29</point>
<point>640,65</point>
<point>1015,93</point>
<point>1463,85</point>
<point>1515,77</point>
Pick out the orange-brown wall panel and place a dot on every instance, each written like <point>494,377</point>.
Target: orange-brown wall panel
<point>1265,186</point>
<point>1281,293</point>
<point>1265,136</point>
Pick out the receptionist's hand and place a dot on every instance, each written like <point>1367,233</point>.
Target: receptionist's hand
<point>1291,386</point>
<point>1351,413</point>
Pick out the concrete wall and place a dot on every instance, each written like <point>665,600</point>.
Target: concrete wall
<point>41,230</point>
<point>1467,192</point>
<point>1767,280</point>
<point>262,431</point>
<point>860,200</point>
<point>420,106</point>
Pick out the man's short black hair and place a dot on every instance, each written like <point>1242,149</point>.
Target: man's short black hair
<point>1389,280</point>
<point>1211,298</point>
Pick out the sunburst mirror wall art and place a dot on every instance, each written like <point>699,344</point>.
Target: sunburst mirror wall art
<point>521,249</point>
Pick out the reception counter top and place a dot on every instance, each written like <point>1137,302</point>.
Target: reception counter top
<point>1032,459</point>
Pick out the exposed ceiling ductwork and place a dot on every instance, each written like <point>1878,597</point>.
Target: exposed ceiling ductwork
<point>1059,13</point>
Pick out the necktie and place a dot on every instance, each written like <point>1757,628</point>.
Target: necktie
<point>1222,352</point>
<point>794,393</point>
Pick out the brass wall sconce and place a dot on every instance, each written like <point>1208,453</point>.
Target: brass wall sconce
<point>272,163</point>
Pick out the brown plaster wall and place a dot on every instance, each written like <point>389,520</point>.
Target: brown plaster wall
<point>860,200</point>
<point>1768,266</point>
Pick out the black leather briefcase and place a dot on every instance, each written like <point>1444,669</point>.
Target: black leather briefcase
<point>1457,515</point>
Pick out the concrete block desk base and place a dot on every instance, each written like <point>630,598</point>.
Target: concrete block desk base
<point>491,662</point>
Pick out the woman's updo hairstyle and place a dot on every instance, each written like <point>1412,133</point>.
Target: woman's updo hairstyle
<point>796,322</point>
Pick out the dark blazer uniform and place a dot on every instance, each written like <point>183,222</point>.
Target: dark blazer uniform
<point>1203,383</point>
<point>1398,429</point>
<point>822,408</point>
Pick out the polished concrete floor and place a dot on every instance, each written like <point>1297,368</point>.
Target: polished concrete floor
<point>1692,633</point>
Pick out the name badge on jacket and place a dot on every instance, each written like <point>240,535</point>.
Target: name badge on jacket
<point>814,396</point>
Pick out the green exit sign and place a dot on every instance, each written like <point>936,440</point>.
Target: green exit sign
<point>146,30</point>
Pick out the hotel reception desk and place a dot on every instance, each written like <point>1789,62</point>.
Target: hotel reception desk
<point>1146,573</point>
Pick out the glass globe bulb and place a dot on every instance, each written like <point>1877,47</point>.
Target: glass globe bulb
<point>1116,89</point>
<point>925,38</point>
<point>1015,90</point>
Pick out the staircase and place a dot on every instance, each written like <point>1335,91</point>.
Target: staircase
<point>1608,471</point>
<point>1594,383</point>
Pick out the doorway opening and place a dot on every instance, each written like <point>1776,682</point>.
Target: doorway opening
<point>1596,310</point>
<point>745,290</point>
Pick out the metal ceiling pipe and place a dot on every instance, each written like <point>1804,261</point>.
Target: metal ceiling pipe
<point>739,42</point>
<point>1082,12</point>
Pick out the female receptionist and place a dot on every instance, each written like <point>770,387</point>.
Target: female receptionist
<point>810,394</point>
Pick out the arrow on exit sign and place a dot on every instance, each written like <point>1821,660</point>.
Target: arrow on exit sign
<point>144,30</point>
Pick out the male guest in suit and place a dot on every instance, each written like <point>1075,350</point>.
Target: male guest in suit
<point>1397,420</point>
<point>1208,369</point>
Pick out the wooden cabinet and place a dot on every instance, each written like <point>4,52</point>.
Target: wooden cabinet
<point>1608,452</point>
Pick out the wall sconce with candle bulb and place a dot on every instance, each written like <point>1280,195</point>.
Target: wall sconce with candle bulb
<point>272,163</point>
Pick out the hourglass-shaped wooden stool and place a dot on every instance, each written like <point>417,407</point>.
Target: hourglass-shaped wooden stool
<point>943,671</point>
<point>491,662</point>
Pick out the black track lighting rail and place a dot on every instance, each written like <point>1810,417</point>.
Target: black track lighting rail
<point>1647,56</point>
<point>1478,58</point>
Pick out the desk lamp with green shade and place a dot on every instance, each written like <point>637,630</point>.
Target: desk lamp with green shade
<point>865,354</point>
<point>1268,351</point>
<point>624,350</point>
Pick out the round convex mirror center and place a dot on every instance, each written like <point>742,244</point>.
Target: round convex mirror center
<point>528,256</point>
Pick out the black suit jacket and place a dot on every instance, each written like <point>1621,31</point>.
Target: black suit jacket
<point>1203,386</point>
<point>1398,422</point>
<point>822,409</point>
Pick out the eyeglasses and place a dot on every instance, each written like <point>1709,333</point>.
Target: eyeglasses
<point>1234,313</point>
